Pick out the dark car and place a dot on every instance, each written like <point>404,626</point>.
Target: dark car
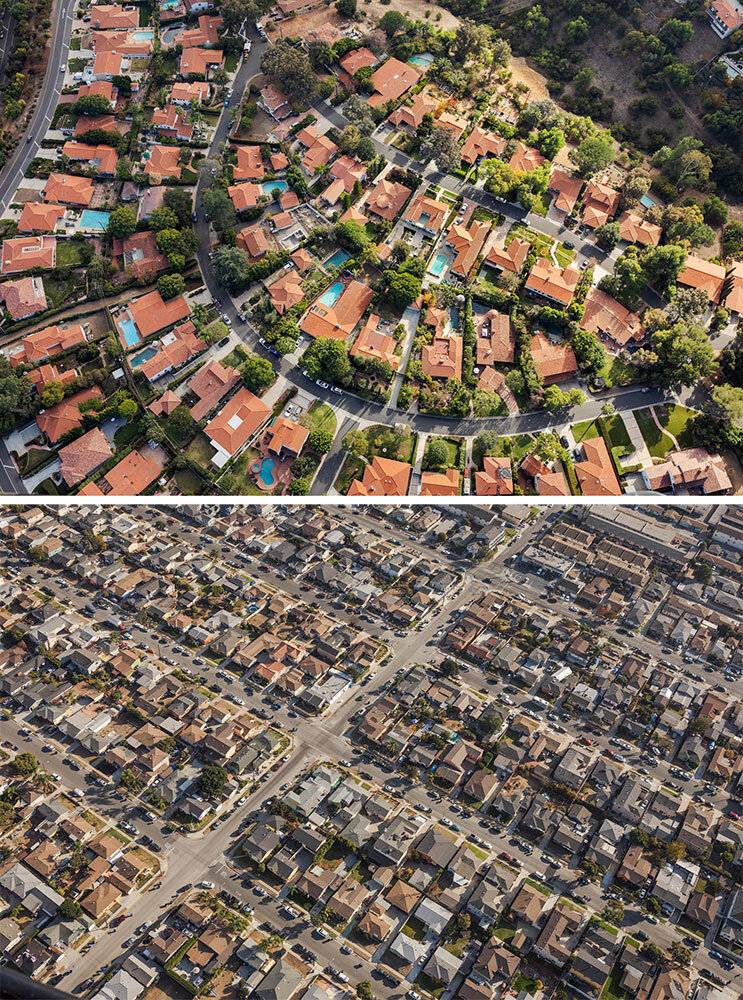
<point>569,244</point>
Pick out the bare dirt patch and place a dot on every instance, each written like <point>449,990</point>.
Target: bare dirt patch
<point>414,10</point>
<point>523,73</point>
<point>371,12</point>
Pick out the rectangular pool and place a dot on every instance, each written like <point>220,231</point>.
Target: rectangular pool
<point>94,220</point>
<point>647,201</point>
<point>129,329</point>
<point>143,36</point>
<point>145,355</point>
<point>331,295</point>
<point>336,259</point>
<point>439,263</point>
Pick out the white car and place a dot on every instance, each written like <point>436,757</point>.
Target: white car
<point>206,885</point>
<point>323,385</point>
<point>342,977</point>
<point>63,68</point>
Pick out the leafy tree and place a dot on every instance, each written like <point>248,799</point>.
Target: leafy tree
<point>725,403</point>
<point>69,909</point>
<point>650,950</point>
<point>442,148</point>
<point>680,355</point>
<point>257,373</point>
<point>549,141</point>
<point>688,305</point>
<point>299,487</point>
<point>628,280</point>
<point>357,443</point>
<point>328,359</point>
<point>392,22</point>
<point>636,186</point>
<point>162,217</point>
<point>555,399</point>
<point>289,68</point>
<point>576,31</point>
<point>359,114</point>
<point>212,780</point>
<point>170,285</point>
<point>614,912</point>
<point>122,222</point>
<point>366,150</point>
<point>607,235</point>
<point>14,386</point>
<point>487,443</point>
<point>686,222</point>
<point>470,41</point>
<point>346,8</point>
<point>25,764</point>
<point>662,266</point>
<point>320,441</point>
<point>437,454</point>
<point>675,33</point>
<point>490,722</point>
<point>127,409</point>
<point>589,352</point>
<point>53,393</point>
<point>715,211</point>
<point>179,201</point>
<point>352,234</point>
<point>680,953</point>
<point>684,164</point>
<point>364,990</point>
<point>219,208</point>
<point>403,289</point>
<point>593,154</point>
<point>230,267</point>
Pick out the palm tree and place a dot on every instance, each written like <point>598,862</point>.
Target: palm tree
<point>44,782</point>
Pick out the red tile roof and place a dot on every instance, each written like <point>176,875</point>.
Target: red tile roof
<point>134,473</point>
<point>337,321</point>
<point>151,313</point>
<point>287,436</point>
<point>82,456</point>
<point>23,296</point>
<point>65,416</point>
<point>383,477</point>
<point>104,158</point>
<point>443,358</point>
<point>68,189</point>
<point>249,166</point>
<point>237,421</point>
<point>553,361</point>
<point>596,473</point>
<point>27,252</point>
<point>37,217</point>
<point>496,478</point>
<point>391,81</point>
<point>210,384</point>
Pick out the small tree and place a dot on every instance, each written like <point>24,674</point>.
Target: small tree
<point>346,8</point>
<point>69,909</point>
<point>364,990</point>
<point>320,441</point>
<point>25,764</point>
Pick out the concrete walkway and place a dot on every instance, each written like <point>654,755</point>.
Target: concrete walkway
<point>415,478</point>
<point>642,455</point>
<point>410,322</point>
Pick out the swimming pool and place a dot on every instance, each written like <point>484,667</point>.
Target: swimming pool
<point>647,201</point>
<point>336,259</point>
<point>131,334</point>
<point>266,472</point>
<point>168,4</point>
<point>94,220</point>
<point>270,186</point>
<point>439,263</point>
<point>143,36</point>
<point>332,294</point>
<point>145,355</point>
<point>423,59</point>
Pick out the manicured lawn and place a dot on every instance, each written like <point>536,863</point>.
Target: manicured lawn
<point>432,986</point>
<point>240,469</point>
<point>612,989</point>
<point>616,371</point>
<point>188,482</point>
<point>522,982</point>
<point>585,429</point>
<point>659,444</point>
<point>616,432</point>
<point>542,243</point>
<point>414,929</point>
<point>352,468</point>
<point>383,442</point>
<point>453,446</point>
<point>67,253</point>
<point>320,417</point>
<point>34,459</point>
<point>504,933</point>
<point>230,63</point>
<point>677,421</point>
<point>200,450</point>
<point>521,445</point>
<point>126,434</point>
<point>235,358</point>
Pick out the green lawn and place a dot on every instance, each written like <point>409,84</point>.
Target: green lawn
<point>616,371</point>
<point>432,986</point>
<point>68,254</point>
<point>542,243</point>
<point>320,417</point>
<point>522,982</point>
<point>453,446</point>
<point>521,445</point>
<point>384,442</point>
<point>677,421</point>
<point>612,990</point>
<point>240,469</point>
<point>414,929</point>
<point>613,429</point>
<point>659,444</point>
<point>126,434</point>
<point>585,429</point>
<point>188,482</point>
<point>352,468</point>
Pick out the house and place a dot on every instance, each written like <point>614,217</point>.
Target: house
<point>274,103</point>
<point>386,199</point>
<point>253,241</point>
<point>374,344</point>
<point>689,471</point>
<point>69,190</point>
<point>210,384</point>
<point>286,292</point>
<point>510,257</point>
<point>199,62</point>
<point>438,484</point>
<point>57,420</point>
<point>151,313</point>
<point>496,477</point>
<point>555,942</point>
<point>46,343</point>
<point>391,80</point>
<point>114,17</point>
<point>287,438</point>
<point>140,255</point>
<point>635,229</point>
<point>600,203</point>
<point>383,477</point>
<point>410,116</point>
<point>702,908</point>
<point>82,456</point>
<point>173,122</point>
<point>426,213</point>
<point>28,252</point>
<point>103,159</point>
<point>23,297</point>
<point>357,59</point>
<point>556,284</point>
<point>235,424</point>
<point>496,340</point>
<point>244,196</point>
<point>442,966</point>
<point>339,319</point>
<point>704,274</point>
<point>318,149</point>
<point>163,161</point>
<point>187,93</point>
<point>609,319</point>
<point>467,243</point>
<point>480,144</point>
<point>554,362</point>
<point>442,358</point>
<point>595,472</point>
<point>176,348</point>
<point>725,16</point>
<point>37,217</point>
<point>566,188</point>
<point>525,158</point>
<point>134,473</point>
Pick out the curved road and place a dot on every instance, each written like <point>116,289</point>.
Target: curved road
<point>47,102</point>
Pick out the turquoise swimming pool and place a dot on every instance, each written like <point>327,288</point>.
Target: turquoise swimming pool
<point>143,36</point>
<point>145,355</point>
<point>168,4</point>
<point>131,334</point>
<point>423,59</point>
<point>94,220</point>
<point>336,259</point>
<point>439,263</point>
<point>270,186</point>
<point>266,472</point>
<point>647,201</point>
<point>331,295</point>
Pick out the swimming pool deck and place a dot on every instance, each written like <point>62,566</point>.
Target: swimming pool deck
<point>282,475</point>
